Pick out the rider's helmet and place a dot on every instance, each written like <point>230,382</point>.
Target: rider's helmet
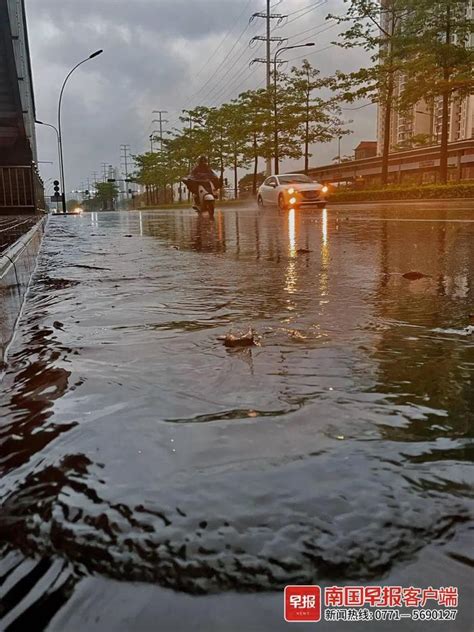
<point>202,160</point>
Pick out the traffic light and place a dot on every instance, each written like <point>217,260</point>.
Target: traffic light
<point>56,187</point>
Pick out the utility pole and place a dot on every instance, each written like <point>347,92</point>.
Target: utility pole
<point>124,150</point>
<point>160,120</point>
<point>268,16</point>
<point>268,20</point>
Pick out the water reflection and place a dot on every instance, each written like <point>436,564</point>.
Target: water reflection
<point>291,275</point>
<point>325,259</point>
<point>134,445</point>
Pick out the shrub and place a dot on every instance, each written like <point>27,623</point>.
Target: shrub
<point>425,192</point>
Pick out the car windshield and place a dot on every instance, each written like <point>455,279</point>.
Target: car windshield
<point>290,179</point>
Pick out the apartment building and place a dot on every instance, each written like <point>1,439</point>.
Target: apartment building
<point>426,120</point>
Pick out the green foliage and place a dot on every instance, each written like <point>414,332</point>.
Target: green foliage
<point>106,194</point>
<point>426,192</point>
<point>425,41</point>
<point>240,133</point>
<point>418,140</point>
<point>246,183</point>
<point>317,119</point>
<point>440,60</point>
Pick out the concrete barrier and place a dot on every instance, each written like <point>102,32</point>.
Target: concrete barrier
<point>16,267</point>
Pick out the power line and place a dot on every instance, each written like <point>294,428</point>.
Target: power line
<point>225,37</point>
<point>320,50</point>
<point>221,88</point>
<point>311,32</point>
<point>315,5</point>
<point>308,10</point>
<point>216,71</point>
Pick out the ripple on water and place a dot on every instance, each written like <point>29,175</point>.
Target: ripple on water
<point>133,445</point>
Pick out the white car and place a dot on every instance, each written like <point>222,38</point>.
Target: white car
<point>291,190</point>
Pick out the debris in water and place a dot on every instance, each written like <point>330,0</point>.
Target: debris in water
<point>296,335</point>
<point>249,339</point>
<point>467,331</point>
<point>414,276</point>
<point>303,251</point>
<point>80,265</point>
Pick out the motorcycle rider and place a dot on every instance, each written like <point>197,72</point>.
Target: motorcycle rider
<point>202,171</point>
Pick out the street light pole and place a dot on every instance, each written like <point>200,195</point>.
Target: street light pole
<point>60,139</point>
<point>275,109</point>
<point>57,137</point>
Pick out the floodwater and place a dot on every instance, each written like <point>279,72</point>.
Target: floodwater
<point>152,478</point>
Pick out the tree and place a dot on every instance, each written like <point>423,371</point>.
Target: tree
<point>254,107</point>
<point>106,194</point>
<point>376,27</point>
<point>282,125</point>
<point>418,140</point>
<point>442,62</point>
<point>247,183</point>
<point>318,119</point>
<point>236,130</point>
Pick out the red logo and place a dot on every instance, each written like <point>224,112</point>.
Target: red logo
<point>302,603</point>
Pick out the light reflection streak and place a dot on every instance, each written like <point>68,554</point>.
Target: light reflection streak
<point>291,276</point>
<point>323,278</point>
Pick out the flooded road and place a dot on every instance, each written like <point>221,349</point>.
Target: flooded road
<point>150,474</point>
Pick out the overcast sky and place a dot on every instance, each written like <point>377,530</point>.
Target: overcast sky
<point>162,55</point>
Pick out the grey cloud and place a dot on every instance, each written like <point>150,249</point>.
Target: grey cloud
<point>153,50</point>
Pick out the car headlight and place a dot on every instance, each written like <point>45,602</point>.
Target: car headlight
<point>325,189</point>
<point>293,200</point>
<point>291,190</point>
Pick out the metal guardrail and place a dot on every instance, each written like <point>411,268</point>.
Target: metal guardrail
<point>13,228</point>
<point>16,187</point>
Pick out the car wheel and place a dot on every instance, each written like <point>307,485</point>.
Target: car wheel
<point>281,202</point>
<point>260,201</point>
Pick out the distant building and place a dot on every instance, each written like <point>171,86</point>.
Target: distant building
<point>365,149</point>
<point>425,121</point>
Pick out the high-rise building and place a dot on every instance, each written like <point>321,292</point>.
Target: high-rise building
<point>425,120</point>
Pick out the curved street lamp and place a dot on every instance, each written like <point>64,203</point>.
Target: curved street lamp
<point>275,139</point>
<point>57,136</point>
<point>60,140</point>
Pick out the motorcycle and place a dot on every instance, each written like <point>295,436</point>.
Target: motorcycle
<point>205,194</point>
